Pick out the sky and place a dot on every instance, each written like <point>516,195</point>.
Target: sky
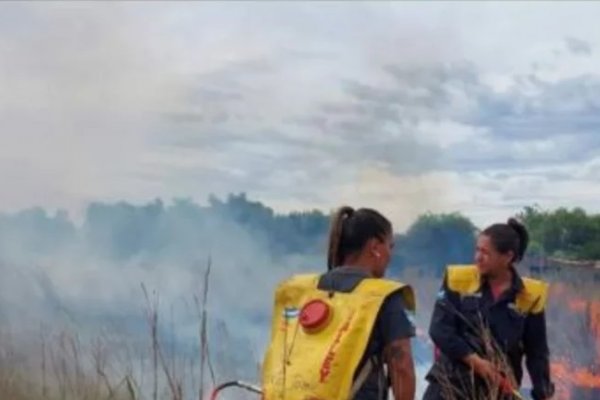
<point>482,108</point>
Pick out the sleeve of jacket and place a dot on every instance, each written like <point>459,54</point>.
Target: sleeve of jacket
<point>443,329</point>
<point>537,356</point>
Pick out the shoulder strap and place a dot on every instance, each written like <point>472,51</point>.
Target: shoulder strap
<point>370,365</point>
<point>361,378</point>
<point>463,279</point>
<point>385,287</point>
<point>532,299</point>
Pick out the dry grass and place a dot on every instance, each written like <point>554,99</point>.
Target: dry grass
<point>471,389</point>
<point>65,371</point>
<point>60,366</point>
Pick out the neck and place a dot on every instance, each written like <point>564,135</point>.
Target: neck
<point>360,263</point>
<point>501,277</point>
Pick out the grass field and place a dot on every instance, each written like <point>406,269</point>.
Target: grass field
<point>54,363</point>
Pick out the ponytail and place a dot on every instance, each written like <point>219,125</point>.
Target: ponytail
<point>335,235</point>
<point>351,230</point>
<point>523,235</point>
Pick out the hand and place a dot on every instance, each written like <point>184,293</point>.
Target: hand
<point>484,368</point>
<point>507,387</point>
<point>487,371</point>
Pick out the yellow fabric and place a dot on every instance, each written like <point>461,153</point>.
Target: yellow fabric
<point>465,279</point>
<point>320,366</point>
<point>533,298</point>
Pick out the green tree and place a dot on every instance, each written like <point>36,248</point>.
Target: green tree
<point>564,233</point>
<point>436,240</point>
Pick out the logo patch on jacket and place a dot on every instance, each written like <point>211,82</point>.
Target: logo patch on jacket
<point>290,312</point>
<point>513,307</point>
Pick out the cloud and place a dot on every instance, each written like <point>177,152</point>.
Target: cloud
<point>413,121</point>
<point>578,46</point>
<point>284,103</point>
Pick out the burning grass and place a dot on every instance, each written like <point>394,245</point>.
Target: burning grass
<point>57,364</point>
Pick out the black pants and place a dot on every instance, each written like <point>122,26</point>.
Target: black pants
<point>433,392</point>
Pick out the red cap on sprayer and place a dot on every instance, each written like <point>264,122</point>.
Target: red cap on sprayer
<point>314,314</point>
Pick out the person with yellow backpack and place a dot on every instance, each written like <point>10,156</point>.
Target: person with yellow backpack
<point>485,320</point>
<point>344,334</point>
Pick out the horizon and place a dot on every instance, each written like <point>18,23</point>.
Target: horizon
<point>77,221</point>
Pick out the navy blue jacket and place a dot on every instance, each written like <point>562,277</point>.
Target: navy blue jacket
<point>456,326</point>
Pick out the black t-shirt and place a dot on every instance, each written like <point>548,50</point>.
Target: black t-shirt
<point>392,323</point>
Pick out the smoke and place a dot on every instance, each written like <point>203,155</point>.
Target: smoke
<point>88,278</point>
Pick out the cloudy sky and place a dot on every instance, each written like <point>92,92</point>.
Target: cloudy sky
<point>482,108</point>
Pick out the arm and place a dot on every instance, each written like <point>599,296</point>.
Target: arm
<point>397,329</point>
<point>443,328</point>
<point>445,334</point>
<point>398,357</point>
<point>537,356</point>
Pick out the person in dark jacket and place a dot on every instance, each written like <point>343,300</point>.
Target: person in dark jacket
<point>486,319</point>
<point>360,247</point>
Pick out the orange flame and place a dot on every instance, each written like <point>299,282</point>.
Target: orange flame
<point>566,374</point>
<point>566,377</point>
<point>584,378</point>
<point>595,319</point>
<point>577,305</point>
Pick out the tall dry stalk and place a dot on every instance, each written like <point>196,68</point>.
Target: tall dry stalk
<point>152,318</point>
<point>474,388</point>
<point>158,358</point>
<point>204,348</point>
<point>43,364</point>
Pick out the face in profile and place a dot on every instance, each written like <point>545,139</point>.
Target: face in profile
<point>488,259</point>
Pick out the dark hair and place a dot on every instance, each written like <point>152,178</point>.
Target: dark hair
<point>511,236</point>
<point>351,230</point>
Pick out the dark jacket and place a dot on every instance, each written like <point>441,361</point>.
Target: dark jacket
<point>456,330</point>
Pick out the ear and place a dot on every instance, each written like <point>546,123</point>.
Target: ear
<point>509,257</point>
<point>373,247</point>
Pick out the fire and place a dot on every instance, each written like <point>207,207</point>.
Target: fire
<point>567,377</point>
<point>595,318</point>
<point>585,378</point>
<point>560,372</point>
<point>573,379</point>
<point>577,305</point>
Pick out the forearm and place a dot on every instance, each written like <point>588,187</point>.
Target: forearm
<point>444,333</point>
<point>537,357</point>
<point>539,372</point>
<point>404,385</point>
<point>538,366</point>
<point>401,369</point>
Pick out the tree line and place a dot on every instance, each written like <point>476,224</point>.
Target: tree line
<point>123,231</point>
